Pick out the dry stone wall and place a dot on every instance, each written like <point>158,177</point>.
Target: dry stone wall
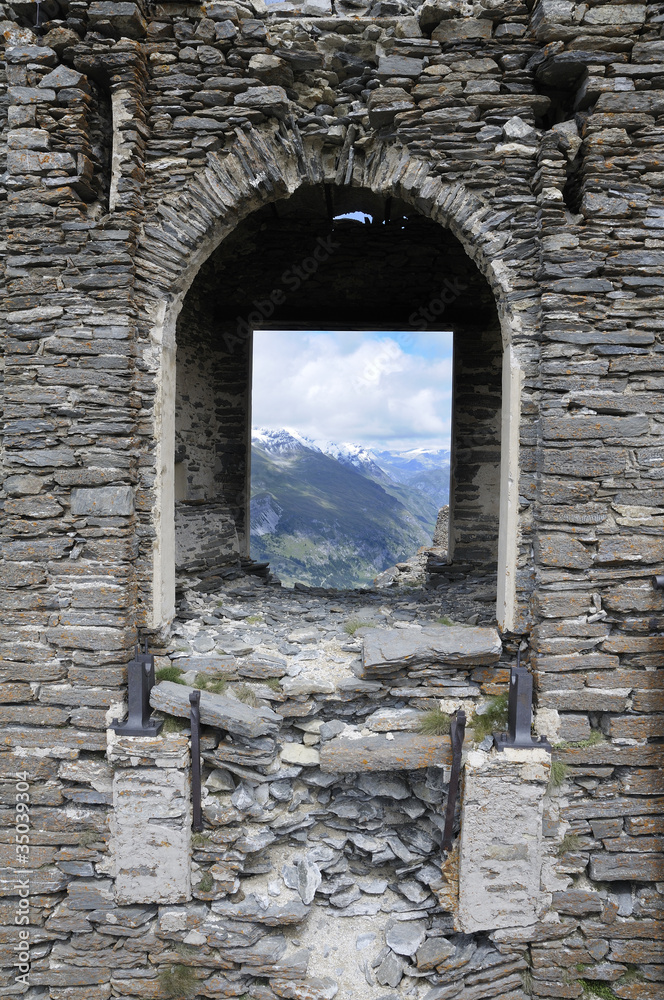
<point>137,137</point>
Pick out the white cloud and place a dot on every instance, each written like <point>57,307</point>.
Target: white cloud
<point>381,390</point>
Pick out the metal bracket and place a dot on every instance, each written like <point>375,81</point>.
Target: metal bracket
<point>140,673</point>
<point>457,730</point>
<point>195,720</point>
<point>519,714</point>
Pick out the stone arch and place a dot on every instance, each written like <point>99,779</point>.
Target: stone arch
<point>265,167</point>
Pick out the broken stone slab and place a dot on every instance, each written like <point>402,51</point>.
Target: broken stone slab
<point>385,785</point>
<point>405,937</point>
<point>404,752</point>
<point>216,710</point>
<point>387,649</point>
<point>296,753</point>
<point>433,952</point>
<point>252,909</point>
<point>118,19</point>
<point>390,971</point>
<point>269,100</point>
<point>213,666</point>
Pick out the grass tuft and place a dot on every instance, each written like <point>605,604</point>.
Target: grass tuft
<point>527,982</point>
<point>274,684</point>
<point>595,738</point>
<point>178,981</point>
<point>174,724</point>
<point>171,673</point>
<point>206,883</point>
<point>215,685</point>
<point>254,619</point>
<point>492,720</point>
<point>352,625</point>
<point>593,988</point>
<point>435,723</point>
<point>570,842</point>
<point>199,840</point>
<point>444,620</point>
<point>246,694</point>
<point>558,774</point>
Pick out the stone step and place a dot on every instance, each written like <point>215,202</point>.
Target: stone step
<point>387,650</point>
<point>403,752</point>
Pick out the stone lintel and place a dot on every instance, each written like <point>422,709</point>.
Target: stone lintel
<point>403,752</point>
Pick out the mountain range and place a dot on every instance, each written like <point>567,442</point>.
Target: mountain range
<point>337,515</point>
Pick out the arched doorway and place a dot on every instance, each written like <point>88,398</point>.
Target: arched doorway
<point>487,393</point>
<point>301,263</point>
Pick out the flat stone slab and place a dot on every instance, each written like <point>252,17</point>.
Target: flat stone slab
<point>388,649</point>
<point>255,667</point>
<point>405,752</point>
<point>216,710</point>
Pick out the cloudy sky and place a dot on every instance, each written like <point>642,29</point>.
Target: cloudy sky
<point>387,391</point>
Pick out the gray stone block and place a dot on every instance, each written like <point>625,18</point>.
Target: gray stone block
<point>125,19</point>
<point>105,501</point>
<point>216,710</point>
<point>386,649</point>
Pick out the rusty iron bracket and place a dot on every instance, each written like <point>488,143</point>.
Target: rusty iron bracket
<point>519,714</point>
<point>195,719</point>
<point>457,730</point>
<point>140,676</point>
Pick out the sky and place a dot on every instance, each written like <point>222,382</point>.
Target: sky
<point>387,391</point>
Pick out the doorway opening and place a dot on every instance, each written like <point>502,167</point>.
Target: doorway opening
<point>340,259</point>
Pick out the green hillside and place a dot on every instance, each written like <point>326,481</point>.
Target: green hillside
<point>323,523</point>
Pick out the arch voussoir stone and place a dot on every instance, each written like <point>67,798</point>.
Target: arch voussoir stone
<point>264,167</point>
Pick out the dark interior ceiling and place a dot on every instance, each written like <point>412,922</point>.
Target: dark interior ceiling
<point>332,273</point>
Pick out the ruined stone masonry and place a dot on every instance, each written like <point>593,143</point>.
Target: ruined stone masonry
<point>175,176</point>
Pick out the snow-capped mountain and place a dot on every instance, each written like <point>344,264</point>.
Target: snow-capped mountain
<point>285,441</point>
<point>281,441</point>
<point>412,461</point>
<point>327,514</point>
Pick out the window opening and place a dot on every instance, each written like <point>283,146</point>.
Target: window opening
<point>350,457</point>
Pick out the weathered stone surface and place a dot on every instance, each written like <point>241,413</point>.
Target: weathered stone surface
<point>275,915</point>
<point>433,952</point>
<point>296,753</point>
<point>105,501</point>
<point>378,753</point>
<point>386,649</point>
<point>216,710</point>
<point>390,971</point>
<point>269,100</point>
<point>151,835</point>
<point>124,19</point>
<point>404,938</point>
<point>246,128</point>
<point>504,792</point>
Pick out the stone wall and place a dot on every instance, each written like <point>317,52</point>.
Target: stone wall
<point>212,442</point>
<point>530,131</point>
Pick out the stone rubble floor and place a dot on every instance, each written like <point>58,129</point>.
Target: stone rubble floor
<point>344,867</point>
<point>248,615</point>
